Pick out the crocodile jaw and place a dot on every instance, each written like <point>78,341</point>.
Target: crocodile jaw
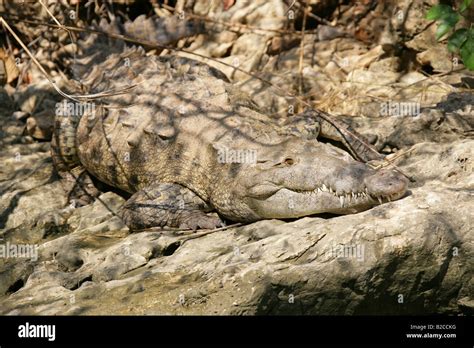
<point>286,203</point>
<point>350,188</point>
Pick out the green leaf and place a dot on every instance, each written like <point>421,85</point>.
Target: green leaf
<point>457,39</point>
<point>442,30</point>
<point>438,11</point>
<point>467,51</point>
<point>447,17</point>
<point>465,5</point>
<point>451,18</point>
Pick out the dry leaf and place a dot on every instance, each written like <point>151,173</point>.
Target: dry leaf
<point>10,70</point>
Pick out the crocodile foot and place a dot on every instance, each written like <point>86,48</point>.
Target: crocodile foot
<point>170,205</point>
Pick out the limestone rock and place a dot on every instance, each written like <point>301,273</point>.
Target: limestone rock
<point>411,256</point>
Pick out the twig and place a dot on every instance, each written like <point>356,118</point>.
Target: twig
<point>389,161</point>
<point>202,234</point>
<point>187,232</point>
<point>61,27</point>
<point>301,58</point>
<point>395,156</point>
<point>55,86</point>
<point>65,95</point>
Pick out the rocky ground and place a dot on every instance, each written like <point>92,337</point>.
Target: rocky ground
<point>411,256</point>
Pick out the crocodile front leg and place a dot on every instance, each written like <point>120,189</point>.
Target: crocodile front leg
<point>170,205</point>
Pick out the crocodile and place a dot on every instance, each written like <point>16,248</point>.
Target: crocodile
<point>190,155</point>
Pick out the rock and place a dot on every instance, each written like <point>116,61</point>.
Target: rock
<point>40,126</point>
<point>39,96</point>
<point>20,115</point>
<point>29,187</point>
<point>430,52</point>
<point>281,43</point>
<point>6,103</point>
<point>439,62</point>
<point>431,125</point>
<point>467,304</point>
<point>411,256</point>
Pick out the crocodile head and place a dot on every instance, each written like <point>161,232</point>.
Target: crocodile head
<point>299,178</point>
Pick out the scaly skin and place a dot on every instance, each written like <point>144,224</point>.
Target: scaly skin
<point>183,149</point>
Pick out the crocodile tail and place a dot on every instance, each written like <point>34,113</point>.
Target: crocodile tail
<point>63,143</point>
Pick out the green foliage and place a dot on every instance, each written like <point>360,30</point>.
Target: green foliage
<point>465,5</point>
<point>461,40</point>
<point>456,40</point>
<point>467,51</point>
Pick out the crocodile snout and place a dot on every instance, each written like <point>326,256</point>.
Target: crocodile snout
<point>386,183</point>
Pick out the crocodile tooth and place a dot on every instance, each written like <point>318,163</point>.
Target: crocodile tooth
<point>348,197</point>
<point>324,188</point>
<point>388,198</point>
<point>354,195</point>
<point>380,200</point>
<point>341,200</point>
<point>330,189</point>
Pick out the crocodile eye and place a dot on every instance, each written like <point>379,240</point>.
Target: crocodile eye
<point>289,161</point>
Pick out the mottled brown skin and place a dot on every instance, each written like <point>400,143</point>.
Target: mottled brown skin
<point>172,142</point>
